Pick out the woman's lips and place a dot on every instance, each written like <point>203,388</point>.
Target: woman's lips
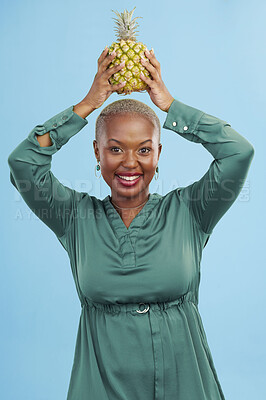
<point>126,183</point>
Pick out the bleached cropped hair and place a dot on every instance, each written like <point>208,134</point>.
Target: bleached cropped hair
<point>124,106</point>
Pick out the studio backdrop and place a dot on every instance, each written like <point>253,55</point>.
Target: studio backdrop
<point>212,56</point>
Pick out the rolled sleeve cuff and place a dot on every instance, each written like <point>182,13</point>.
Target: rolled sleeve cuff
<point>183,119</point>
<point>62,127</point>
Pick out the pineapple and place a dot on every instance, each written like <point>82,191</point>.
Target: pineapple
<point>129,50</point>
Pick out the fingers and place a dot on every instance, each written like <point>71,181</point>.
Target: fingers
<point>147,80</point>
<point>105,61</point>
<point>103,55</point>
<point>150,55</point>
<point>118,86</point>
<point>111,71</point>
<point>153,65</point>
<point>155,77</point>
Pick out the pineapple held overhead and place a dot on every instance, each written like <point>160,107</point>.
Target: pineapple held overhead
<point>129,50</point>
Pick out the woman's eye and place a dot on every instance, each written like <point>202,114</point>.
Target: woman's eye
<point>146,148</point>
<point>114,148</point>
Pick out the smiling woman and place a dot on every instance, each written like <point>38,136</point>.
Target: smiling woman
<point>128,168</point>
<point>135,256</point>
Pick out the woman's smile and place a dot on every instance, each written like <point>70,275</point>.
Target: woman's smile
<point>128,181</point>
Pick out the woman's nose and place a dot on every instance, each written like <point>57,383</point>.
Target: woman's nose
<point>130,160</point>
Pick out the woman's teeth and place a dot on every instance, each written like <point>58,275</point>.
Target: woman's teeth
<point>129,178</point>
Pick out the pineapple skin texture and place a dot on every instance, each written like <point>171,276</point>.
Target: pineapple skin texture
<point>129,51</point>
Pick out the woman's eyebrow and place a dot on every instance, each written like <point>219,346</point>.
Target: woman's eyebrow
<point>148,140</point>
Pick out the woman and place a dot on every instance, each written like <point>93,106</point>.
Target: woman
<point>135,255</point>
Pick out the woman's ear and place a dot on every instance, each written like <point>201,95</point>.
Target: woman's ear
<point>160,146</point>
<point>96,149</point>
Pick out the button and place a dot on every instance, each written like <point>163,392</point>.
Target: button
<point>174,123</point>
<point>185,128</point>
<point>145,309</point>
<point>65,117</point>
<point>54,125</point>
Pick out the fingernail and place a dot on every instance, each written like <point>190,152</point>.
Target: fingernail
<point>152,51</point>
<point>147,51</point>
<point>113,52</point>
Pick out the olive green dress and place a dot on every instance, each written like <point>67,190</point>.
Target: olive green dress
<point>140,335</point>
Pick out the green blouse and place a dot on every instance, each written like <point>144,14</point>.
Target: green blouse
<point>140,335</point>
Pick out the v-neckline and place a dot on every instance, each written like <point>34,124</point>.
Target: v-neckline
<point>117,222</point>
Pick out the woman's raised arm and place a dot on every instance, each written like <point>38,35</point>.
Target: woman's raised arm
<point>30,164</point>
<point>210,197</point>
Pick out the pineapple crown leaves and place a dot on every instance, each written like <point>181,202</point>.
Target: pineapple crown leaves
<point>126,29</point>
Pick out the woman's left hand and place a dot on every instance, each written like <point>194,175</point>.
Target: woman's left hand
<point>157,90</point>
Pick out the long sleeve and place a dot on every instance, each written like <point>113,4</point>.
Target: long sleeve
<point>210,197</point>
<point>30,172</point>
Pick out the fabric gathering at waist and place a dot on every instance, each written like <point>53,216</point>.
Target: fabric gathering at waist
<point>141,306</point>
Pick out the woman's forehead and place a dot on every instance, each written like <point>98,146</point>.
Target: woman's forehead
<point>128,127</point>
<point>129,121</point>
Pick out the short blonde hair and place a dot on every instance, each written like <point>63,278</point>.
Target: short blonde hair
<point>124,106</point>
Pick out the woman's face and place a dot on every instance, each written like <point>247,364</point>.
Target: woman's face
<point>121,149</point>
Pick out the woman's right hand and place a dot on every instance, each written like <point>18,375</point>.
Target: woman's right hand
<point>101,89</point>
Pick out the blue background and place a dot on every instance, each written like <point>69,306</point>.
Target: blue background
<point>212,55</point>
